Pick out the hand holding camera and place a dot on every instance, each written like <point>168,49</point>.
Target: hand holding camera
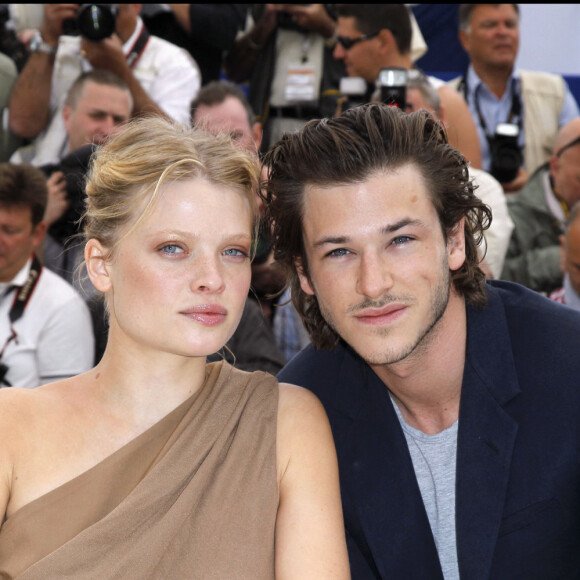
<point>54,16</point>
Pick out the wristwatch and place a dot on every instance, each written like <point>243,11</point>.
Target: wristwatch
<point>37,44</point>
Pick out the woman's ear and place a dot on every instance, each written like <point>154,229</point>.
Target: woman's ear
<point>97,266</point>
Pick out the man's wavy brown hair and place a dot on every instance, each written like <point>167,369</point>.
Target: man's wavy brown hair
<point>350,149</point>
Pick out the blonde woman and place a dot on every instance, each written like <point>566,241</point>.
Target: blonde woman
<point>155,464</point>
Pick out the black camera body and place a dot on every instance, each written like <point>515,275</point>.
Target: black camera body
<point>506,154</point>
<point>392,83</point>
<point>94,21</point>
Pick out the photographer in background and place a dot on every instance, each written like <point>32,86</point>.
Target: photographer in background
<point>533,105</point>
<point>371,37</point>
<point>45,326</point>
<point>539,211</point>
<point>286,55</point>
<point>162,77</point>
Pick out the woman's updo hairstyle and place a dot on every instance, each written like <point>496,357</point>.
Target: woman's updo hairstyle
<point>148,153</point>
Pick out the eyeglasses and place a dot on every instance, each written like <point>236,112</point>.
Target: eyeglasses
<point>347,43</point>
<point>571,144</point>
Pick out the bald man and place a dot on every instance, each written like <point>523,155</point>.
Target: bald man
<point>539,211</point>
<point>569,294</point>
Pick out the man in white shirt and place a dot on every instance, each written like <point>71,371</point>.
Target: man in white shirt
<point>162,78</point>
<point>46,332</point>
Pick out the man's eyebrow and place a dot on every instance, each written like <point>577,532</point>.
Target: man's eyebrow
<point>401,224</point>
<point>389,229</point>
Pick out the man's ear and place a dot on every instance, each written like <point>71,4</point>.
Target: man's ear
<point>257,132</point>
<point>66,113</point>
<point>554,166</point>
<point>464,40</point>
<point>387,43</point>
<point>456,246</point>
<point>563,265</point>
<point>38,234</point>
<point>303,277</point>
<point>98,268</point>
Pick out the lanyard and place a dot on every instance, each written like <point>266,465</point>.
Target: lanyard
<point>21,299</point>
<point>138,48</point>
<point>515,111</point>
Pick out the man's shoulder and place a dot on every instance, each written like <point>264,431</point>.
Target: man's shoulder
<point>532,193</point>
<point>542,82</point>
<point>159,48</point>
<point>55,292</point>
<point>318,369</point>
<point>539,319</point>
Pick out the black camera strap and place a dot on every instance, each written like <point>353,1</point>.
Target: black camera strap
<point>515,111</point>
<point>21,299</point>
<point>138,48</point>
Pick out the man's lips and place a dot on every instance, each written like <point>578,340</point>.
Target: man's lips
<point>382,315</point>
<point>206,314</point>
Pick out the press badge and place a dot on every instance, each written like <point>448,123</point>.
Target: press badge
<point>300,82</point>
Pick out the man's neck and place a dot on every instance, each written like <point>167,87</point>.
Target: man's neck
<point>427,385</point>
<point>495,78</point>
<point>397,60</point>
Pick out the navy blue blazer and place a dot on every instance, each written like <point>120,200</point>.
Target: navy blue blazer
<point>518,460</point>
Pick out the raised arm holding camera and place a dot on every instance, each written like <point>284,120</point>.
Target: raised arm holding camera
<point>163,78</point>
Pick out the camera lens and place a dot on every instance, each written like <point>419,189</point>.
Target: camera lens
<point>96,21</point>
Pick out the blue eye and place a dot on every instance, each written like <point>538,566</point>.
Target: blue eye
<point>172,249</point>
<point>234,253</point>
<point>400,240</point>
<point>338,252</point>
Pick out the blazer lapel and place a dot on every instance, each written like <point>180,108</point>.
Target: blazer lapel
<point>383,508</point>
<point>486,439</point>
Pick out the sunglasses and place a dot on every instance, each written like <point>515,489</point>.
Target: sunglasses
<point>568,146</point>
<point>347,43</point>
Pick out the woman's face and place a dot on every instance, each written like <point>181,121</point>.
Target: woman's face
<point>180,279</point>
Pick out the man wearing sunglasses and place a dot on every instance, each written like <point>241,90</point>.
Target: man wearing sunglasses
<point>539,211</point>
<point>370,37</point>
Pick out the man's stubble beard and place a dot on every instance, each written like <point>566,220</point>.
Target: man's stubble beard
<point>439,302</point>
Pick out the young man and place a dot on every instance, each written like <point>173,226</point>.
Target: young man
<point>454,403</point>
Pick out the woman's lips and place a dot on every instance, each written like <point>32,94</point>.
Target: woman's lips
<point>207,314</point>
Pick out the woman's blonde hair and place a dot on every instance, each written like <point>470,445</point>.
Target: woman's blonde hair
<point>148,153</point>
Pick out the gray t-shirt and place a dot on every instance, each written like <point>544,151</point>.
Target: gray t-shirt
<point>434,461</point>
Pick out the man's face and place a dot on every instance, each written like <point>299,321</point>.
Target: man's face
<point>363,59</point>
<point>493,37</point>
<point>229,117</point>
<point>18,239</point>
<point>378,263</point>
<point>416,101</point>
<point>565,172</point>
<point>571,257</point>
<point>99,111</point>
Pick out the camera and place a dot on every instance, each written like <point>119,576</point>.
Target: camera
<point>392,83</point>
<point>94,21</point>
<point>506,154</point>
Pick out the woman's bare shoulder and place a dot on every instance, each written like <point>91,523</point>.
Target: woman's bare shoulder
<point>22,409</point>
<point>303,427</point>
